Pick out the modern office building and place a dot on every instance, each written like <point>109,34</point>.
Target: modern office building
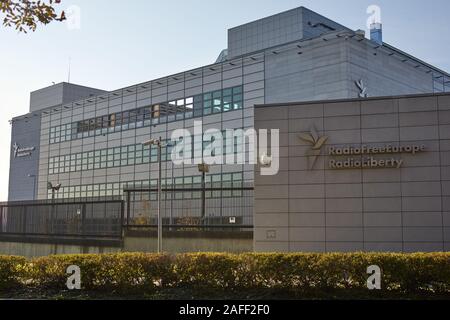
<point>90,141</point>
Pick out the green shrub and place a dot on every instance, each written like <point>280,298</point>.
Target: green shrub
<point>207,270</point>
<point>302,275</point>
<point>12,271</point>
<point>122,272</point>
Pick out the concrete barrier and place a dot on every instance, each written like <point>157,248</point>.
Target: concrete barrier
<point>134,241</point>
<point>31,250</point>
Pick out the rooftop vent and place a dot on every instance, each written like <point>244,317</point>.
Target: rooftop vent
<point>376,33</point>
<point>360,33</point>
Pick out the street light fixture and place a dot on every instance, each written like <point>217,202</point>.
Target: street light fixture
<point>158,143</point>
<point>54,188</point>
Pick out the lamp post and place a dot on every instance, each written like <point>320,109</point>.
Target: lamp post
<point>158,143</point>
<point>54,188</point>
<point>172,183</point>
<point>203,168</point>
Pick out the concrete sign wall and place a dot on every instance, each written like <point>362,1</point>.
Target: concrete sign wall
<point>379,181</point>
<point>24,158</point>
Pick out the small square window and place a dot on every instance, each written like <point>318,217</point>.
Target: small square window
<point>237,90</point>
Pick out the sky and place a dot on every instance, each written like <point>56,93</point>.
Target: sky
<point>112,44</point>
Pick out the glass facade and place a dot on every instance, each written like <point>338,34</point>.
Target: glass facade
<point>224,180</point>
<point>133,155</point>
<point>107,158</point>
<point>197,106</point>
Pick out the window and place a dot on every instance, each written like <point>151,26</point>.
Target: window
<point>92,125</point>
<point>227,100</point>
<point>146,154</point>
<point>96,190</point>
<point>237,98</point>
<point>198,106</point>
<point>112,120</point>
<point>217,101</point>
<point>207,107</point>
<point>83,126</point>
<point>133,118</point>
<point>98,126</point>
<point>207,103</point>
<point>147,116</point>
<point>237,183</point>
<point>119,120</point>
<point>180,109</point>
<point>171,111</point>
<point>226,183</point>
<point>105,125</point>
<point>125,120</point>
<point>140,117</point>
<point>189,108</point>
<point>156,111</point>
<point>195,106</point>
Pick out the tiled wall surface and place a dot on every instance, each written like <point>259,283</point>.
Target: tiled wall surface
<point>406,209</point>
<point>59,94</point>
<point>248,72</point>
<point>23,173</point>
<point>295,24</point>
<point>321,70</point>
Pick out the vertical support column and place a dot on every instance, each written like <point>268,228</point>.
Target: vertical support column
<point>122,218</point>
<point>24,221</point>
<point>203,168</point>
<point>203,197</point>
<point>159,196</point>
<point>83,219</point>
<point>52,214</point>
<point>128,207</point>
<point>1,219</point>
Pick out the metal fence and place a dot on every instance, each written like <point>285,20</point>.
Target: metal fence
<point>183,208</point>
<point>100,218</point>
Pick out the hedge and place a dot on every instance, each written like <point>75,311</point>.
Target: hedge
<point>12,271</point>
<point>299,274</point>
<point>105,271</point>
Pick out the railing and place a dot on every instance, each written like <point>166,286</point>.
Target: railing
<point>224,208</point>
<point>228,209</point>
<point>100,218</point>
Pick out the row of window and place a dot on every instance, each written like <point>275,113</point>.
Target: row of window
<point>197,106</point>
<point>132,155</point>
<point>224,180</point>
